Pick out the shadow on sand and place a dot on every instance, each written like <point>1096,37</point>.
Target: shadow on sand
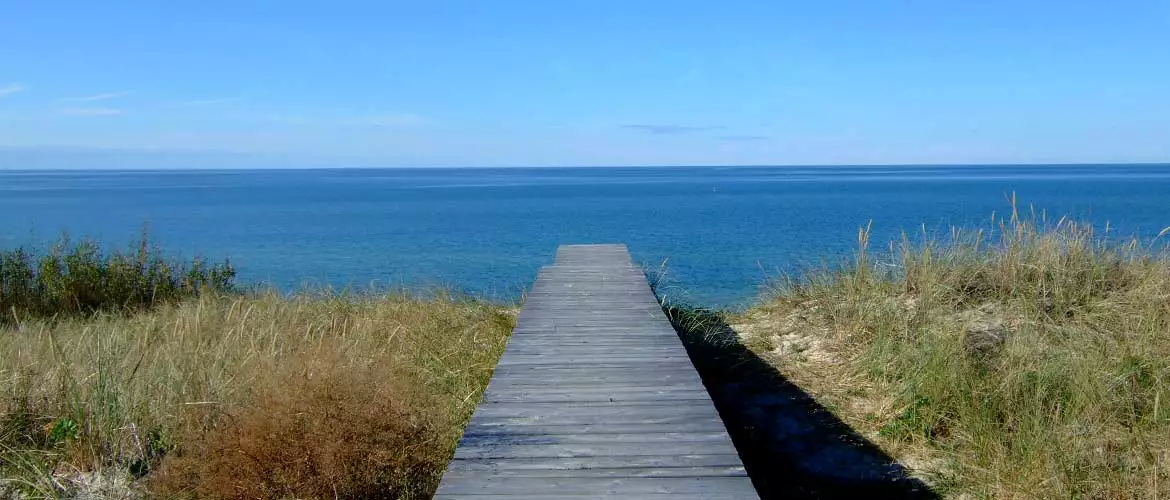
<point>791,446</point>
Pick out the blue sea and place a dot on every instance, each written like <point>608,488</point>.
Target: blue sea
<point>722,232</point>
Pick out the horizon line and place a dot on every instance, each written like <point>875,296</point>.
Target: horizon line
<point>583,166</point>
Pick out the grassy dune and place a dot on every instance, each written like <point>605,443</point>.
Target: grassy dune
<point>1031,360</point>
<point>1028,360</point>
<point>257,396</point>
<point>131,373</point>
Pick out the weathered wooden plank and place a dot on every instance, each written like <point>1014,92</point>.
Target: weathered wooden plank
<point>610,403</point>
<point>617,410</point>
<point>725,470</point>
<point>612,394</point>
<point>626,330</point>
<point>593,496</point>
<point>638,369</point>
<point>611,342</point>
<point>630,398</point>
<point>594,438</point>
<point>595,350</point>
<point>622,379</point>
<point>585,419</point>
<point>606,486</point>
<point>600,428</point>
<point>504,449</point>
<point>500,414</point>
<point>537,359</point>
<point>586,463</point>
<point>661,369</point>
<point>609,376</point>
<point>582,334</point>
<point>594,397</point>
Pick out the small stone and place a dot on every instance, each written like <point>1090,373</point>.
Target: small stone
<point>984,338</point>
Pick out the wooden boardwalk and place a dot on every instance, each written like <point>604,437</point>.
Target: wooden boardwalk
<point>595,397</point>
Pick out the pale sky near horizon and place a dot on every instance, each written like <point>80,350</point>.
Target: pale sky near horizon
<point>477,83</point>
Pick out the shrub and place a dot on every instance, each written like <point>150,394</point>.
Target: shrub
<point>315,431</point>
<point>79,278</point>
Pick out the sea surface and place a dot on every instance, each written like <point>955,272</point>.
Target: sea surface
<point>722,232</point>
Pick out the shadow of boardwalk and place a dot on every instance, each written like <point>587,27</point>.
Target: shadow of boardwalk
<point>791,446</point>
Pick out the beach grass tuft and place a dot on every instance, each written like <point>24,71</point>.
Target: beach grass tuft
<point>1027,359</point>
<point>257,395</point>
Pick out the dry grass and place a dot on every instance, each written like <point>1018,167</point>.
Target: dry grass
<point>260,396</point>
<point>1031,360</point>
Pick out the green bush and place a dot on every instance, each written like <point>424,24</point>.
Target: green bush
<point>79,278</point>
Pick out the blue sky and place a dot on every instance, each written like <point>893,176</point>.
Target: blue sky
<point>298,83</point>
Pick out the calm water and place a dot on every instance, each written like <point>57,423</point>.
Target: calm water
<point>724,230</point>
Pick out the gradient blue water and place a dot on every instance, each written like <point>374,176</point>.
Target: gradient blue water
<point>487,231</point>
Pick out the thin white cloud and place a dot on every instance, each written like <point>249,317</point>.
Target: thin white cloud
<point>391,120</point>
<point>743,138</point>
<point>672,129</point>
<point>97,97</point>
<point>91,111</point>
<point>206,102</point>
<point>12,88</point>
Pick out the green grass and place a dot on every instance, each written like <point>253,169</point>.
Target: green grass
<point>1029,360</point>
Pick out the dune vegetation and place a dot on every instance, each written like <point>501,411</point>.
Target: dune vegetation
<point>187,388</point>
<point>78,277</point>
<point>1029,359</point>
